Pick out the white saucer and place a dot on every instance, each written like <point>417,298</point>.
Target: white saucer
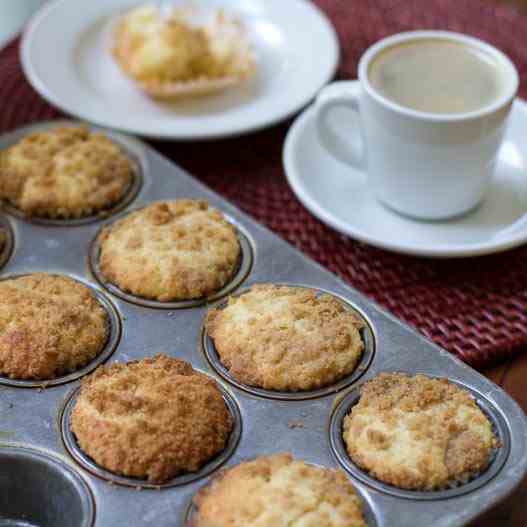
<point>339,196</point>
<point>65,56</point>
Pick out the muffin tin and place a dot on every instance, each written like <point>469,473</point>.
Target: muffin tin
<point>7,247</point>
<point>34,431</point>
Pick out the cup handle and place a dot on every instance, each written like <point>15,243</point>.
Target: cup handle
<point>342,94</point>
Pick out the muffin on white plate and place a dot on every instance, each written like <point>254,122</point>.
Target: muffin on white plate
<point>182,52</point>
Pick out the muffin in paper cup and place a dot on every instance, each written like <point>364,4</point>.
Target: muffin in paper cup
<point>182,53</point>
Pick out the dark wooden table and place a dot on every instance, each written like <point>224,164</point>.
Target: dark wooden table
<point>512,377</point>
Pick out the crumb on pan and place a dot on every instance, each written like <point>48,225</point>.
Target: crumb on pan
<point>278,491</point>
<point>64,172</point>
<point>49,326</point>
<point>153,419</point>
<point>173,250</point>
<point>295,423</point>
<point>418,432</point>
<point>171,57</point>
<point>285,338</point>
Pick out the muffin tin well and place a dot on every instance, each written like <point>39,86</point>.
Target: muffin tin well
<point>368,353</point>
<point>113,334</point>
<point>498,456</point>
<point>87,463</point>
<point>306,424</point>
<point>243,268</point>
<point>41,489</point>
<point>7,247</point>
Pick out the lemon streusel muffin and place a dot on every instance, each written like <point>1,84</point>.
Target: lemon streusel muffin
<point>152,418</point>
<point>285,338</point>
<point>49,326</point>
<point>418,432</point>
<point>173,250</point>
<point>278,491</point>
<point>64,172</point>
<point>172,55</point>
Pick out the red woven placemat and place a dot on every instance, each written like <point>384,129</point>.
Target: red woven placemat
<point>476,309</point>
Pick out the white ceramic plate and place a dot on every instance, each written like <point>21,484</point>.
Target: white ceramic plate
<point>339,196</point>
<point>65,57</point>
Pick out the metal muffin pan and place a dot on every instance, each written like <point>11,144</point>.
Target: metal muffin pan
<point>33,418</point>
<point>28,478</point>
<point>7,247</point>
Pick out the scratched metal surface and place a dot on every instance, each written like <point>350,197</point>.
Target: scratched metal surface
<point>31,417</point>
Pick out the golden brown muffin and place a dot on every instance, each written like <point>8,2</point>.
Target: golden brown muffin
<point>171,56</point>
<point>49,326</point>
<point>152,418</point>
<point>418,432</point>
<point>285,338</point>
<point>65,172</point>
<point>173,250</point>
<point>278,491</point>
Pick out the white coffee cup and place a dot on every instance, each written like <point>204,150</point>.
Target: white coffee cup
<point>424,165</point>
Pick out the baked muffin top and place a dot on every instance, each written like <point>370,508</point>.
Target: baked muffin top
<point>49,326</point>
<point>418,432</point>
<point>174,54</point>
<point>285,338</point>
<point>64,172</point>
<point>279,491</point>
<point>173,250</point>
<point>152,418</point>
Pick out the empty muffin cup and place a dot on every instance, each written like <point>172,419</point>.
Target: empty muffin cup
<point>38,489</point>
